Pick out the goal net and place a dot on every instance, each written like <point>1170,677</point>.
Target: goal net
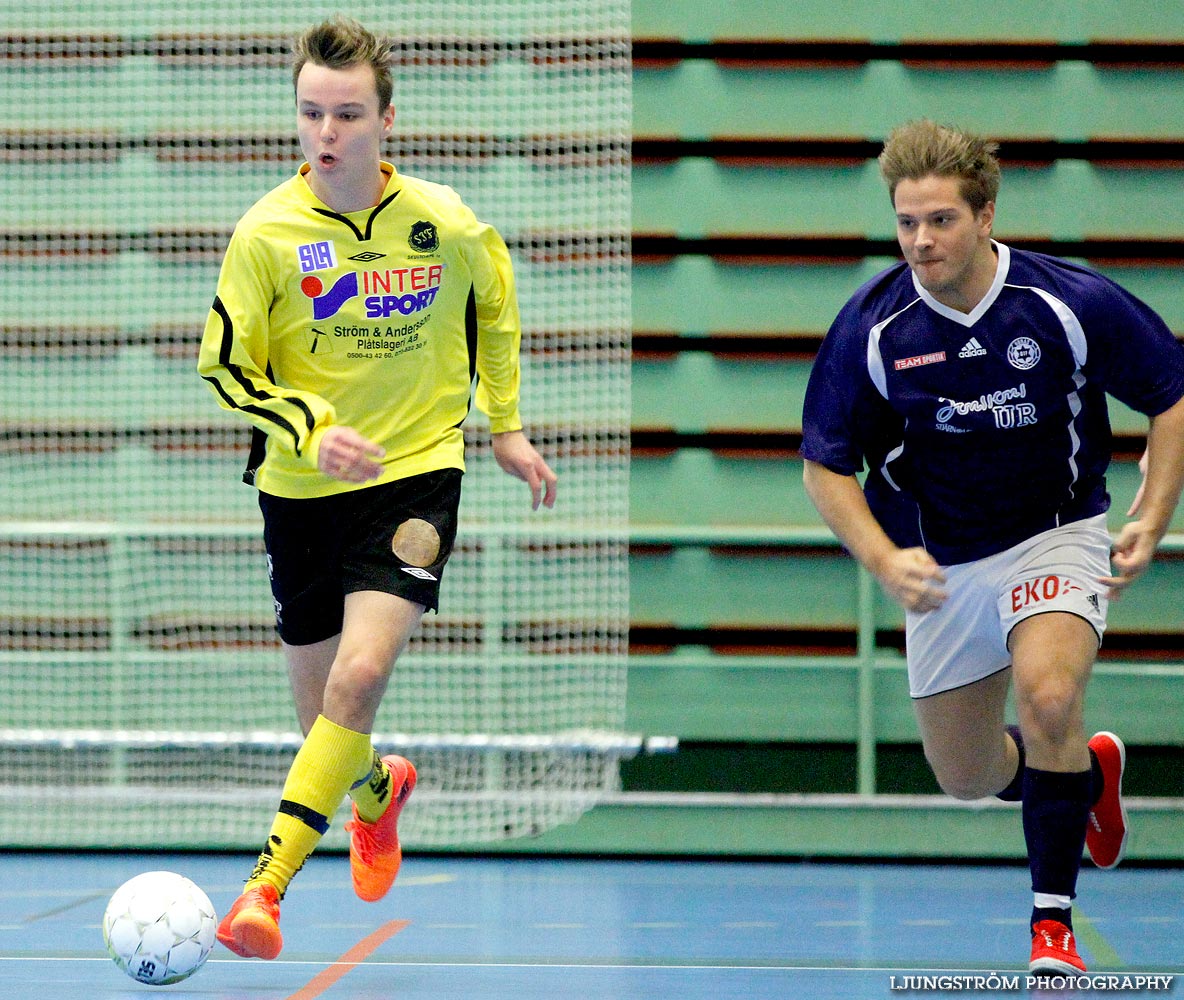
<point>143,695</point>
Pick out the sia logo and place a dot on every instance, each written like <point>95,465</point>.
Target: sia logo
<point>424,238</point>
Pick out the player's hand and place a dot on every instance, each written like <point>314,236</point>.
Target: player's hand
<point>1130,555</point>
<point>913,579</point>
<point>1138,501</point>
<point>517,456</point>
<point>344,454</point>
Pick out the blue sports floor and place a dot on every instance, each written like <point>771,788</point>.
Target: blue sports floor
<point>548,929</point>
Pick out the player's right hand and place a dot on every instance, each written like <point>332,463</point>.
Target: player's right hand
<point>344,454</point>
<point>913,579</point>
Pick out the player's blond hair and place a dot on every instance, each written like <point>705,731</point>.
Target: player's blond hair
<point>922,148</point>
<point>340,43</point>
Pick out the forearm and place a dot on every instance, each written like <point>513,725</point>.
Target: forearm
<point>499,332</point>
<point>241,384</point>
<point>840,501</point>
<point>1165,467</point>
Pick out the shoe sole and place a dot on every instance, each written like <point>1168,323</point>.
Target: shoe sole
<point>256,936</point>
<point>1126,829</point>
<point>372,894</point>
<point>1053,967</point>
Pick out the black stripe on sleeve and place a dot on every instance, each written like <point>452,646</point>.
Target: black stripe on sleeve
<point>471,331</point>
<point>236,372</point>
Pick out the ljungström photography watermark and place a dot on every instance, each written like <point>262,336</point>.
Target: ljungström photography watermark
<point>994,982</point>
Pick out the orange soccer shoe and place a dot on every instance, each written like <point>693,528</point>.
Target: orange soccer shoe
<point>374,851</point>
<point>252,927</point>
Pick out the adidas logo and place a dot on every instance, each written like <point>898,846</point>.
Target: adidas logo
<point>972,349</point>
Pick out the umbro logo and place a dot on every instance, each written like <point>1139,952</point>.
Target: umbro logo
<point>422,574</point>
<point>367,255</point>
<point>972,349</point>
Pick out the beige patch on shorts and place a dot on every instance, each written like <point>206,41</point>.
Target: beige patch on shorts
<point>416,542</point>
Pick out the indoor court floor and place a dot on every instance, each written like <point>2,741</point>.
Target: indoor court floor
<point>460,928</point>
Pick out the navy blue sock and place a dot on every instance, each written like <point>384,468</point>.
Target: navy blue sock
<point>1097,779</point>
<point>1014,792</point>
<point>1052,913</point>
<point>1055,810</point>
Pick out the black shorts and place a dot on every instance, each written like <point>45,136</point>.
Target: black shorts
<point>394,538</point>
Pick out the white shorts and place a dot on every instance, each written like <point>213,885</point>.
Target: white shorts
<point>965,639</point>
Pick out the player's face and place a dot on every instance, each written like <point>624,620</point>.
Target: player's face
<point>944,241</point>
<point>341,129</point>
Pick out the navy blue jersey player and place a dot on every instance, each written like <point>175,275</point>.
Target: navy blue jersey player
<point>970,382</point>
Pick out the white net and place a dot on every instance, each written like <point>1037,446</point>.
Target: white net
<point>143,697</point>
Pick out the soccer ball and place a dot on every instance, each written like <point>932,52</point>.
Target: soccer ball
<point>159,928</point>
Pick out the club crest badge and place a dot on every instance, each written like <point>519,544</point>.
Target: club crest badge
<point>1023,353</point>
<point>424,238</point>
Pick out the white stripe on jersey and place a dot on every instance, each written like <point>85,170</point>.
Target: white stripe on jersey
<point>1072,325</point>
<point>875,363</point>
<point>1075,336</point>
<point>892,456</point>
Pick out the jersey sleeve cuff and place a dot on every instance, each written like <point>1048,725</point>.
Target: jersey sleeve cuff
<point>509,422</point>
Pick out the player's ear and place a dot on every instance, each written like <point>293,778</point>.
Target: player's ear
<point>986,217</point>
<point>388,118</point>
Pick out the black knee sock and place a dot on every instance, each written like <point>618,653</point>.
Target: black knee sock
<point>1015,789</point>
<point>1055,810</point>
<point>1097,779</point>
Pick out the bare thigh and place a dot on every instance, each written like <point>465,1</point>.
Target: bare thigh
<point>377,628</point>
<point>308,673</point>
<point>1052,658</point>
<point>345,676</point>
<point>965,744</point>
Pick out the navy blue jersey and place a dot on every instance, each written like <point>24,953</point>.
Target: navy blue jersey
<point>980,430</point>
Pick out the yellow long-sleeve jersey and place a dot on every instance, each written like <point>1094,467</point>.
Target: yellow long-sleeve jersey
<point>378,320</point>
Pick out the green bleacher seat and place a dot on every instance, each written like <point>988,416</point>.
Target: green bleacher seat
<point>1069,199</point>
<point>695,292</point>
<point>700,99</point>
<point>823,20</point>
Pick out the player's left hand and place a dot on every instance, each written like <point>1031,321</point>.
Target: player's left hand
<point>517,456</point>
<point>1130,555</point>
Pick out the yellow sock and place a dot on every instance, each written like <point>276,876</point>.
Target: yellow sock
<point>372,792</point>
<point>325,767</point>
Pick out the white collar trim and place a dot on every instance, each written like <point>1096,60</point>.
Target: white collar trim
<point>1002,266</point>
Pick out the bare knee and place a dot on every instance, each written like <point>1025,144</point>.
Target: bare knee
<point>1049,711</point>
<point>972,770</point>
<point>1052,655</point>
<point>354,692</point>
<point>965,781</point>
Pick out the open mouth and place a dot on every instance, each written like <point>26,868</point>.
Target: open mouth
<point>327,159</point>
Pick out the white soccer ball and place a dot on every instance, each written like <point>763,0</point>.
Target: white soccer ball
<point>159,928</point>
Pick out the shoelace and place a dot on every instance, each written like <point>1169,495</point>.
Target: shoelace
<point>1064,945</point>
<point>364,840</point>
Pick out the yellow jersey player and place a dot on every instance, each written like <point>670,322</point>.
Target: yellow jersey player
<point>354,309</point>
